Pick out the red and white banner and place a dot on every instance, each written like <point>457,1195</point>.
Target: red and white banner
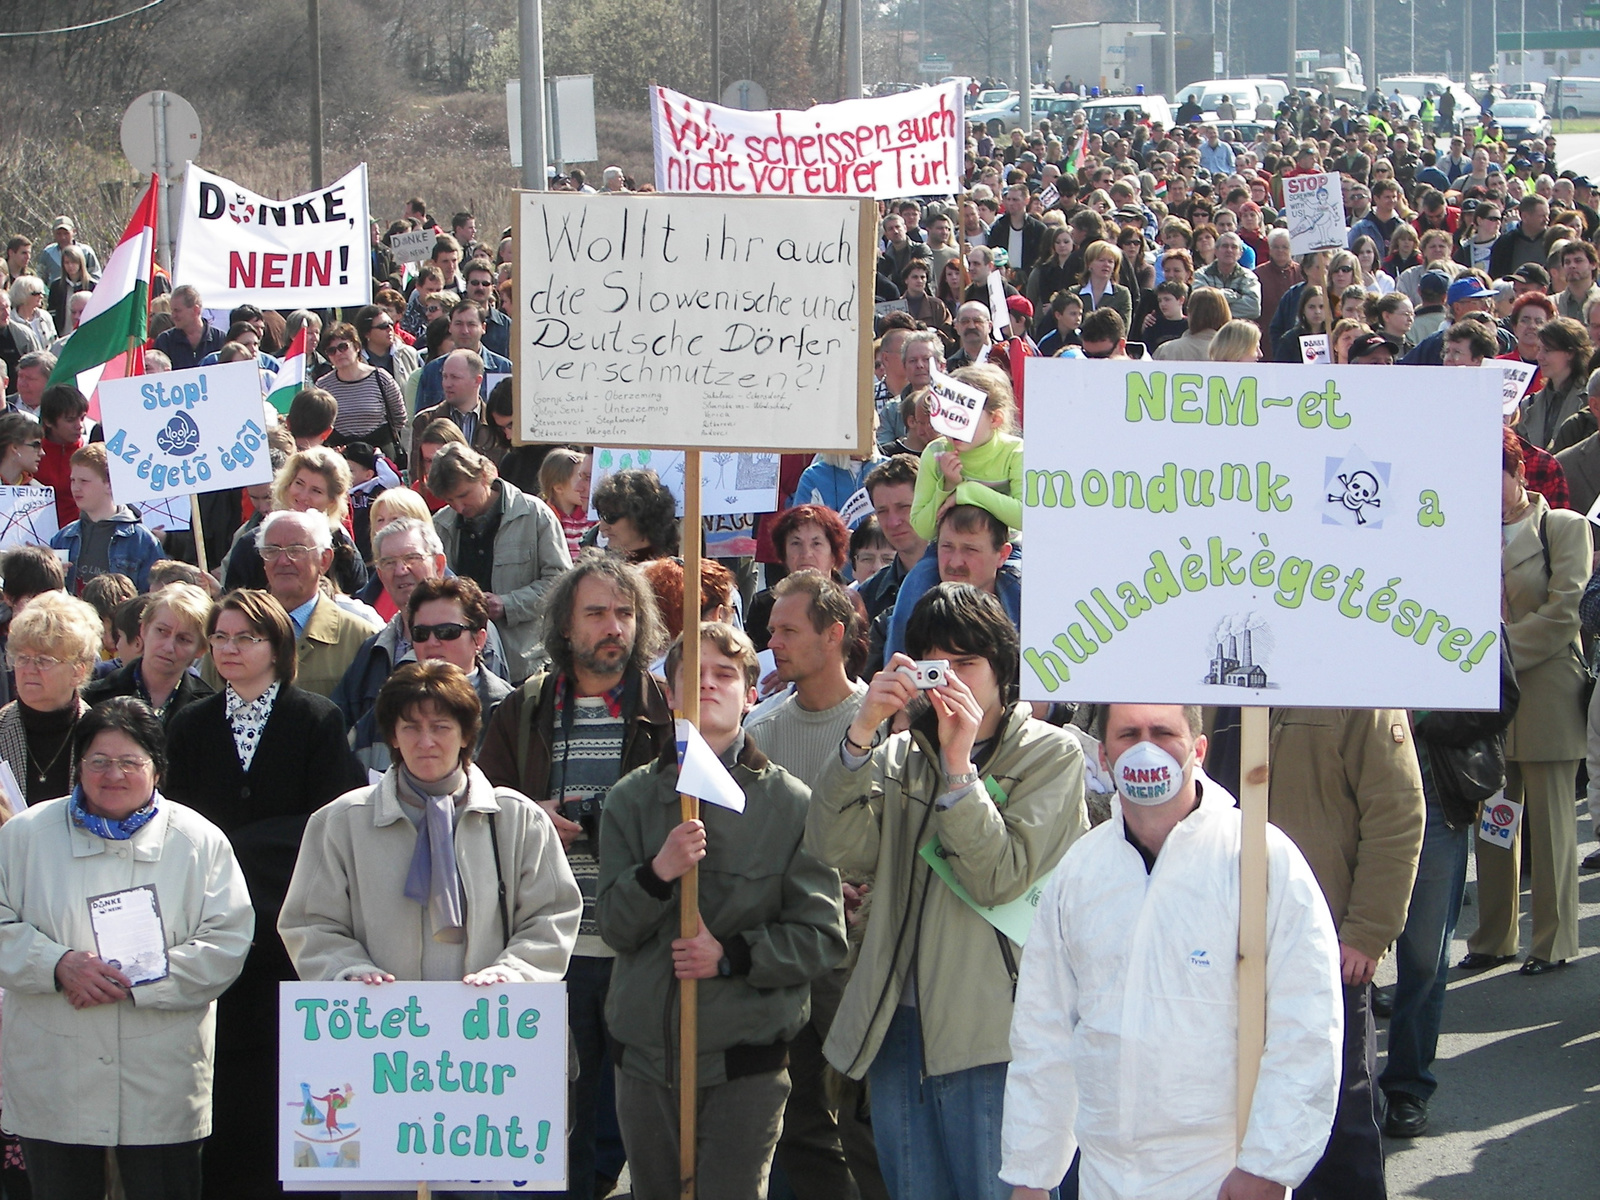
<point>311,251</point>
<point>904,145</point>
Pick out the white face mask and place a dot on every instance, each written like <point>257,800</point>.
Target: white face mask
<point>1145,774</point>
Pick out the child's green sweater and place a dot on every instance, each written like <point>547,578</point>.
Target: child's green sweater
<point>991,478</point>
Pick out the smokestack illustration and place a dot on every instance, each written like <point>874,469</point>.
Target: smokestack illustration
<point>1244,660</point>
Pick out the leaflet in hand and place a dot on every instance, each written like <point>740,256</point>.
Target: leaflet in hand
<point>128,933</point>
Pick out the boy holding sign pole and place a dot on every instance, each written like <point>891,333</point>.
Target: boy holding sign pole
<point>770,921</point>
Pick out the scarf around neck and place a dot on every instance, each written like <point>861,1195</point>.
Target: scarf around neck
<point>104,827</point>
<point>434,879</point>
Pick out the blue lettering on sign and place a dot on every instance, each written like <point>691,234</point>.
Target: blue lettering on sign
<point>177,395</point>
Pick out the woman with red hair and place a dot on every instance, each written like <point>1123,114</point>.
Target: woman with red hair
<point>807,536</point>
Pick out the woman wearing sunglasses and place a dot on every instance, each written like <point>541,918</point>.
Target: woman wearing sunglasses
<point>256,759</point>
<point>382,345</point>
<point>449,622</point>
<point>372,408</point>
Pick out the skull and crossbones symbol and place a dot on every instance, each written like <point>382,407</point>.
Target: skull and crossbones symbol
<point>1360,492</point>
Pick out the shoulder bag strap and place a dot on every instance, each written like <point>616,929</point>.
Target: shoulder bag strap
<point>499,874</point>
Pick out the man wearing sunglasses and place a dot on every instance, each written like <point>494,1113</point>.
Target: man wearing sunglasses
<point>480,290</point>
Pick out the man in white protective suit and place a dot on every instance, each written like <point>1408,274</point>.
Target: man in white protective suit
<point>1124,1040</point>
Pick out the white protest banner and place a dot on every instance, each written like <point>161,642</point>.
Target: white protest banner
<point>27,515</point>
<point>1313,348</point>
<point>413,1082</point>
<point>1262,533</point>
<point>168,512</point>
<point>694,321</point>
<point>413,247</point>
<point>729,482</point>
<point>183,432</point>
<point>856,509</point>
<point>904,145</point>
<point>311,251</point>
<point>1314,205</point>
<point>1514,380</point>
<point>954,406</point>
<point>1049,196</point>
<point>1500,820</point>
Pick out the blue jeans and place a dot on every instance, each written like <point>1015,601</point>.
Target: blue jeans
<point>1422,957</point>
<point>938,1137</point>
<point>588,980</point>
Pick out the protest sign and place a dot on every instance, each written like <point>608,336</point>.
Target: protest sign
<point>1254,534</point>
<point>412,1082</point>
<point>1499,821</point>
<point>413,247</point>
<point>703,321</point>
<point>311,251</point>
<point>1313,348</point>
<point>27,515</point>
<point>904,145</point>
<point>730,536</point>
<point>953,406</point>
<point>1514,380</point>
<point>1314,205</point>
<point>183,432</point>
<point>729,483</point>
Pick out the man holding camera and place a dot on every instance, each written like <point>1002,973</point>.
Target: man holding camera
<point>563,738</point>
<point>927,1013</point>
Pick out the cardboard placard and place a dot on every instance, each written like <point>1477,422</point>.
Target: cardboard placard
<point>1314,206</point>
<point>413,247</point>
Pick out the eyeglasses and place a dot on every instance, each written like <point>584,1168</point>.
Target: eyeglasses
<point>480,283</point>
<point>239,641</point>
<point>339,347</point>
<point>382,325</point>
<point>292,553</point>
<point>33,662</point>
<point>411,562</point>
<point>609,518</point>
<point>446,632</point>
<point>101,764</point>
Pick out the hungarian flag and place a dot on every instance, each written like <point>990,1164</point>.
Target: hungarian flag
<point>1079,152</point>
<point>292,379</point>
<point>117,313</point>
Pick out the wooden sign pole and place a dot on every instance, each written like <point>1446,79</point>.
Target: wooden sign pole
<point>198,532</point>
<point>689,885</point>
<point>1254,738</point>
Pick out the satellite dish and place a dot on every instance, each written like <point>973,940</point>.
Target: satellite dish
<point>746,94</point>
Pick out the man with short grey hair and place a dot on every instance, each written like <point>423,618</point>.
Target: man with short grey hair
<point>1224,273</point>
<point>33,376</point>
<point>972,327</point>
<point>1276,275</point>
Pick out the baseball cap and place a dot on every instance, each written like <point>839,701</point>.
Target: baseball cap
<point>1434,282</point>
<point>362,454</point>
<point>1129,213</point>
<point>1532,273</point>
<point>1467,289</point>
<point>1370,343</point>
<point>64,223</point>
<point>1582,181</point>
<point>1020,305</point>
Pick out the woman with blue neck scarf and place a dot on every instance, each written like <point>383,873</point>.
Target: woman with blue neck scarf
<point>115,1051</point>
<point>433,873</point>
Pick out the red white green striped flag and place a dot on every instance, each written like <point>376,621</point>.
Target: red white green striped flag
<point>292,379</point>
<point>1079,151</point>
<point>117,313</point>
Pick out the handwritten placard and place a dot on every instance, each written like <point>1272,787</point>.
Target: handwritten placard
<point>1314,205</point>
<point>415,246</point>
<point>694,321</point>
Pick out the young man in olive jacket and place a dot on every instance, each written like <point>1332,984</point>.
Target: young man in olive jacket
<point>771,920</point>
<point>564,738</point>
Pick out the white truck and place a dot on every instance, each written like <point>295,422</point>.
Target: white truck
<point>1114,56</point>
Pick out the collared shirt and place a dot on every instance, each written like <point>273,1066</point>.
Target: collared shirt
<point>302,614</point>
<point>612,698</point>
<point>247,719</point>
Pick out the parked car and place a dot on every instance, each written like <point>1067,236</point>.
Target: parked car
<point>1002,118</point>
<point>1570,96</point>
<point>1520,120</point>
<point>1420,86</point>
<point>1153,108</point>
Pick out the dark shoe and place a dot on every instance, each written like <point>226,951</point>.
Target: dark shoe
<point>1482,962</point>
<point>1538,966</point>
<point>1591,861</point>
<point>1406,1116</point>
<point>1383,1003</point>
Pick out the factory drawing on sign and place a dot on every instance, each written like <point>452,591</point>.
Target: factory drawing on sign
<point>1234,663</point>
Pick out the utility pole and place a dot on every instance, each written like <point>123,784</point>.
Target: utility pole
<point>1466,49</point>
<point>716,52</point>
<point>1172,48</point>
<point>1369,52</point>
<point>1294,39</point>
<point>530,39</point>
<point>852,83</point>
<point>314,36</point>
<point>1025,84</point>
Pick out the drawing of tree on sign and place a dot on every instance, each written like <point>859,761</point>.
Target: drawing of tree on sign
<point>756,471</point>
<point>27,516</point>
<point>722,460</point>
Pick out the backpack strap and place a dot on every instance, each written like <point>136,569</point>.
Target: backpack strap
<point>500,876</point>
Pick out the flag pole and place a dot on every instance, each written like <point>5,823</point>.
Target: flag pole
<point>1254,776</point>
<point>689,885</point>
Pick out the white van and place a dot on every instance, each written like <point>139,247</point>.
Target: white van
<point>1568,96</point>
<point>1422,86</point>
<point>1154,108</point>
<point>1245,94</point>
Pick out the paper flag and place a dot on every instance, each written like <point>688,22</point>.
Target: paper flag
<point>701,773</point>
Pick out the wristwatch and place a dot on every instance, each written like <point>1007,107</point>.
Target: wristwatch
<point>960,781</point>
<point>724,968</point>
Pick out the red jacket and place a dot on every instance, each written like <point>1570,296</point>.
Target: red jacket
<point>55,470</point>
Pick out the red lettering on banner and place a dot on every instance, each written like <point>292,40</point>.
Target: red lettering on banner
<point>310,268</point>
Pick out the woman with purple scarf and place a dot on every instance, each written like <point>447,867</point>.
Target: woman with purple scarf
<point>433,873</point>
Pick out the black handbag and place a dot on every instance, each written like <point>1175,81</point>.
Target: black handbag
<point>1466,750</point>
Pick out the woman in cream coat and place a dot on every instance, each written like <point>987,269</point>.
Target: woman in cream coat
<point>433,873</point>
<point>1544,566</point>
<point>92,1055</point>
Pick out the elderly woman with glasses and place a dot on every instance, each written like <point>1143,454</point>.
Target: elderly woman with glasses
<point>257,759</point>
<point>372,408</point>
<point>107,1041</point>
<point>381,345</point>
<point>51,648</point>
<point>28,306</point>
